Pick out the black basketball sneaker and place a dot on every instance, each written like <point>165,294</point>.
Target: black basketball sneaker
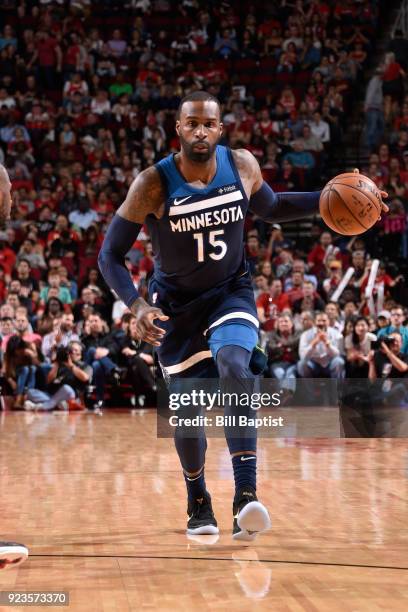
<point>12,554</point>
<point>250,516</point>
<point>201,519</point>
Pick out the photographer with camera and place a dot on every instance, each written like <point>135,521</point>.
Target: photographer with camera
<point>66,380</point>
<point>396,325</point>
<point>387,363</point>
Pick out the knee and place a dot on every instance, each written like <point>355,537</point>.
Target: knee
<point>232,362</point>
<point>302,367</point>
<point>96,367</point>
<point>278,372</point>
<point>69,391</point>
<point>337,362</point>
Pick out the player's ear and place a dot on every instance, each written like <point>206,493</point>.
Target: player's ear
<point>221,128</point>
<point>178,127</point>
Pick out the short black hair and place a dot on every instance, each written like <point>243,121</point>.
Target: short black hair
<point>198,96</point>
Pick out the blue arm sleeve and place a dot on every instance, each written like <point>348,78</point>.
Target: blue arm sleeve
<point>286,206</point>
<point>118,241</point>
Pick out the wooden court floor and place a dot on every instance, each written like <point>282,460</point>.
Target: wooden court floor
<point>100,502</point>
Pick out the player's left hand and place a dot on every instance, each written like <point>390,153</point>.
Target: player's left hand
<point>384,194</point>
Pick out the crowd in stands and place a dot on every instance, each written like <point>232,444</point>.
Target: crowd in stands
<point>386,138</point>
<point>88,96</point>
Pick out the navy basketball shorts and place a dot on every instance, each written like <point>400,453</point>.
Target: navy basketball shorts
<point>199,326</point>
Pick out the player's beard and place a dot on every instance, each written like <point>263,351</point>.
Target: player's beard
<point>196,155</point>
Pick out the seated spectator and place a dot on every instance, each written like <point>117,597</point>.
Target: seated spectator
<point>300,158</point>
<point>331,283</point>
<point>296,290</point>
<point>117,45</point>
<point>260,285</point>
<point>64,246</point>
<point>319,253</point>
<point>310,299</point>
<point>45,319</point>
<point>282,349</point>
<point>383,319</point>
<point>62,335</point>
<point>270,304</point>
<point>54,281</point>
<point>67,137</point>
<point>88,298</point>
<point>396,325</point>
<point>357,347</point>
<point>23,330</point>
<point>225,44</point>
<point>7,255</point>
<point>288,100</point>
<point>22,292</point>
<point>320,128</point>
<point>83,216</point>
<point>333,312</point>
<point>276,240</point>
<point>100,104</point>
<point>66,380</point>
<point>299,266</point>
<point>319,351</point>
<point>138,360</point>
<point>31,253</point>
<point>97,347</point>
<point>120,86</point>
<point>304,321</point>
<point>7,328</point>
<point>284,261</point>
<point>76,85</point>
<point>310,141</point>
<point>68,282</point>
<point>21,359</point>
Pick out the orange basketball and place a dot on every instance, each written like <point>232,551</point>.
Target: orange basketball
<point>350,203</point>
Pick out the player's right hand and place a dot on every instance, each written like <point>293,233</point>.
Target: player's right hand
<point>146,329</point>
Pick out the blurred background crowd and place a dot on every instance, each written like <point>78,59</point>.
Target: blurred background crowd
<point>88,95</point>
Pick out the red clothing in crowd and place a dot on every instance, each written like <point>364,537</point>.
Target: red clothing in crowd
<point>271,307</point>
<point>394,224</point>
<point>384,279</point>
<point>146,265</point>
<point>7,259</point>
<point>392,72</point>
<point>316,259</point>
<point>46,51</point>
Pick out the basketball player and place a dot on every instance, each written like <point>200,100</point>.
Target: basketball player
<point>11,553</point>
<point>194,205</point>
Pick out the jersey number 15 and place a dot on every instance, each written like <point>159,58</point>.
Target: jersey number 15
<point>219,245</point>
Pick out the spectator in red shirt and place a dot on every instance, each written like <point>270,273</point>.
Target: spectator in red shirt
<point>7,255</point>
<point>270,304</point>
<point>382,278</point>
<point>282,349</point>
<point>49,59</point>
<point>296,292</point>
<point>317,256</point>
<point>332,281</point>
<point>393,77</point>
<point>146,263</point>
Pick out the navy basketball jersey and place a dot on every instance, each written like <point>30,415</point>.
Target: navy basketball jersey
<point>198,243</point>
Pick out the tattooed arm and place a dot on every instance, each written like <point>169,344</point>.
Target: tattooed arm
<point>145,197</point>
